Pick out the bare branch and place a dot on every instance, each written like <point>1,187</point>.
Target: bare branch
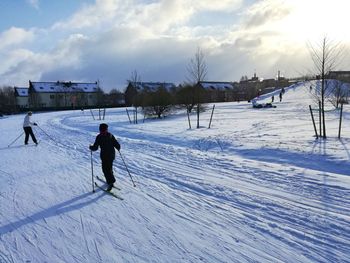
<point>197,68</point>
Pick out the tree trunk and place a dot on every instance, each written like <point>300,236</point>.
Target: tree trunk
<point>197,115</point>
<point>323,93</point>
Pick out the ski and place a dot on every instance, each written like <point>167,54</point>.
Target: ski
<point>109,192</point>
<point>103,181</point>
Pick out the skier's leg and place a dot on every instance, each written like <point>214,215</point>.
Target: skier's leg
<point>32,135</point>
<point>107,168</point>
<point>104,169</point>
<point>27,135</point>
<point>112,178</point>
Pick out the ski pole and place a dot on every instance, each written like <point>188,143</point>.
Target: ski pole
<point>92,174</point>
<point>15,139</point>
<point>127,169</point>
<point>46,134</point>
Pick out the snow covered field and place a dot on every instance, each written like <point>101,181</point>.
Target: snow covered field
<point>255,187</point>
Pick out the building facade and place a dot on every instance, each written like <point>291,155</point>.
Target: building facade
<point>339,75</point>
<point>59,95</point>
<point>21,95</point>
<point>216,91</point>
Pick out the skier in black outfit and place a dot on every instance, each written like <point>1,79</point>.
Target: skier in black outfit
<point>107,142</point>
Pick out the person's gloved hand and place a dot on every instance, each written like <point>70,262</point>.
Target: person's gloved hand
<point>90,147</point>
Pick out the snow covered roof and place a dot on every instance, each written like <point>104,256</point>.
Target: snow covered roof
<point>57,87</point>
<point>21,92</point>
<point>153,86</point>
<point>216,85</point>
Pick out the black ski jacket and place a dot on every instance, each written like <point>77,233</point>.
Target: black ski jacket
<point>107,142</point>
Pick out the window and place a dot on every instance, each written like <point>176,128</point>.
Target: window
<point>52,97</point>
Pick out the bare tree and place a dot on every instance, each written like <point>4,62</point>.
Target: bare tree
<point>157,102</point>
<point>185,97</point>
<point>114,98</point>
<point>131,93</point>
<point>197,70</point>
<point>338,94</point>
<point>134,77</point>
<point>325,57</point>
<point>133,96</point>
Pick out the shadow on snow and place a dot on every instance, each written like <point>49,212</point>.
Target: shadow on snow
<point>55,210</point>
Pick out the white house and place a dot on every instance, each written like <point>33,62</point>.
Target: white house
<point>63,94</point>
<point>21,95</point>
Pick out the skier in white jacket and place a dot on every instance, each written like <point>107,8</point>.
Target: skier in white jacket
<point>27,127</point>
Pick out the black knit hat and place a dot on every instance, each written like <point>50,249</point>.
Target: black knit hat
<point>103,127</point>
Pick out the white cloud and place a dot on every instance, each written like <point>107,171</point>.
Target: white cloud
<point>156,17</point>
<point>34,3</point>
<point>265,13</point>
<point>298,20</point>
<point>12,58</point>
<point>222,5</point>
<point>90,16</point>
<point>15,36</point>
<point>24,65</point>
<point>110,38</point>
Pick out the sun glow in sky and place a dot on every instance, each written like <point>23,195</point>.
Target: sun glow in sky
<point>105,40</point>
<point>327,18</point>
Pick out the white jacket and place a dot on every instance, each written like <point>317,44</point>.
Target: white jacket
<point>27,122</point>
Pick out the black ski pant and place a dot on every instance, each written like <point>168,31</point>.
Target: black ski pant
<point>28,131</point>
<point>107,168</point>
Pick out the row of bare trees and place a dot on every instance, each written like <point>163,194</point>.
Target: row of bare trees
<point>163,100</point>
<point>7,100</point>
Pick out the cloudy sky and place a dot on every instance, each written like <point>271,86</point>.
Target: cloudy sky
<point>105,40</point>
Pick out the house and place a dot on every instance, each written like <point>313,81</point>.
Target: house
<point>59,95</point>
<point>339,75</point>
<point>21,95</point>
<point>218,91</point>
<point>135,88</point>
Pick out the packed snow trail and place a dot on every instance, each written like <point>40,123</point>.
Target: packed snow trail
<point>201,196</point>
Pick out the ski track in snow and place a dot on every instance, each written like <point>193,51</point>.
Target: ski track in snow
<point>210,198</point>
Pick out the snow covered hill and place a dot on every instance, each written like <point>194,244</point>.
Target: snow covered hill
<point>255,187</point>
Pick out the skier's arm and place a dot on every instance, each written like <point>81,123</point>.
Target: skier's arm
<point>116,143</point>
<point>31,122</point>
<point>94,147</point>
